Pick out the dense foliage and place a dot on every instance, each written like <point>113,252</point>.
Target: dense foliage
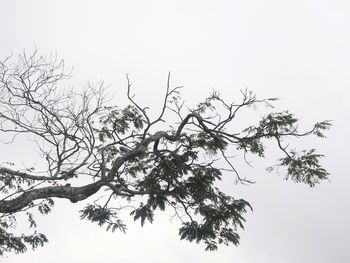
<point>152,164</point>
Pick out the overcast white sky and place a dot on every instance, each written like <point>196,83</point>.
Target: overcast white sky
<point>297,50</point>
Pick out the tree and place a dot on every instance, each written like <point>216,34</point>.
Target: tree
<point>87,146</point>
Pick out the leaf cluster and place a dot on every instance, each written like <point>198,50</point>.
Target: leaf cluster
<point>102,216</point>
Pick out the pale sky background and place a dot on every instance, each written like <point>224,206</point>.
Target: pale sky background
<point>297,50</point>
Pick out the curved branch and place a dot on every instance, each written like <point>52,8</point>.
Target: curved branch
<point>74,194</point>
